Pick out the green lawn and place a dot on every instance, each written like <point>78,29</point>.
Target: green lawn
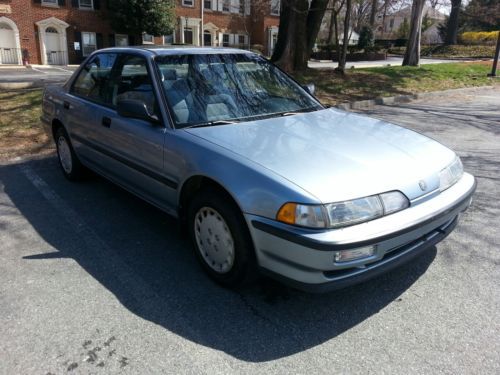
<point>20,129</point>
<point>368,83</point>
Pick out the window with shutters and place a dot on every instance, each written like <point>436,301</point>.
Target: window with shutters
<point>86,4</point>
<point>50,3</point>
<point>148,38</point>
<point>226,5</point>
<point>225,40</point>
<point>89,43</point>
<point>275,7</point>
<point>207,4</point>
<point>121,40</point>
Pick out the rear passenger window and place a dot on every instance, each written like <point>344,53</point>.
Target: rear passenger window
<point>134,82</point>
<point>94,80</point>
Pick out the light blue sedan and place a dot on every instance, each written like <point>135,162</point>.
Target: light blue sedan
<point>260,173</point>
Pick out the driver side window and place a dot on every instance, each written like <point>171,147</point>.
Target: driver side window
<point>93,82</point>
<point>134,82</point>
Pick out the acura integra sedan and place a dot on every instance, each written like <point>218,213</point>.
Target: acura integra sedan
<point>261,174</point>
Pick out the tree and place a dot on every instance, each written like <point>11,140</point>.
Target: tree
<point>299,27</point>
<point>155,17</point>
<point>403,30</point>
<point>366,38</point>
<point>452,24</point>
<point>482,15</point>
<point>412,53</point>
<point>343,52</point>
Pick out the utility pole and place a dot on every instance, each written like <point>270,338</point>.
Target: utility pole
<point>495,60</point>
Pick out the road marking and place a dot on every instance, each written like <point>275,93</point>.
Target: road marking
<point>64,70</point>
<point>38,70</point>
<point>199,356</point>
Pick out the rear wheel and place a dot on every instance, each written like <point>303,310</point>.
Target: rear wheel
<point>220,238</point>
<point>70,165</point>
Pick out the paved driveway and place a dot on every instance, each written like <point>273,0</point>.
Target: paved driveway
<point>92,280</point>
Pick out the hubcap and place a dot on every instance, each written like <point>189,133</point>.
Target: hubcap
<point>64,154</point>
<point>214,240</point>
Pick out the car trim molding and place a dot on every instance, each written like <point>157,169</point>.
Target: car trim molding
<point>155,176</point>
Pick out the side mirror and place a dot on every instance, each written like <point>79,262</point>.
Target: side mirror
<point>310,88</point>
<point>135,109</point>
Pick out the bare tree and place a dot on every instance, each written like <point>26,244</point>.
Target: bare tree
<point>452,26</point>
<point>412,54</point>
<point>343,54</point>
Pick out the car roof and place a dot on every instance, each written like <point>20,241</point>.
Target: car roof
<point>175,50</point>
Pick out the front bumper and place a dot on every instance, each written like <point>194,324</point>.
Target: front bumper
<point>305,258</point>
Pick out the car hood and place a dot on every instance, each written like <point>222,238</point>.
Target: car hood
<point>336,155</point>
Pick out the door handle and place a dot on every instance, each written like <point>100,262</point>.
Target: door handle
<point>66,105</point>
<point>106,122</point>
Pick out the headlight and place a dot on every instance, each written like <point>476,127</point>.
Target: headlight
<point>451,174</point>
<point>341,214</point>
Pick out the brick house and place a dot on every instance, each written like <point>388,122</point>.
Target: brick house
<point>65,31</point>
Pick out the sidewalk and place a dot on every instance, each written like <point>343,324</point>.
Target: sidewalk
<point>18,76</point>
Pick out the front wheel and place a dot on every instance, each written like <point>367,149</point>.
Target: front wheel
<point>220,238</point>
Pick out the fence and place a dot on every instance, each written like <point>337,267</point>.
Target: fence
<point>56,58</point>
<point>10,55</point>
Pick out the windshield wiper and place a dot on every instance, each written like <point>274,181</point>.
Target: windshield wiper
<point>212,123</point>
<point>304,110</point>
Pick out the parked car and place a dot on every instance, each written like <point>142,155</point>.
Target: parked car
<point>263,176</point>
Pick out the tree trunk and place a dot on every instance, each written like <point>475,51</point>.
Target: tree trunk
<point>301,48</point>
<point>314,18</point>
<point>452,27</point>
<point>373,13</point>
<point>283,51</point>
<point>331,27</point>
<point>343,53</point>
<point>412,54</point>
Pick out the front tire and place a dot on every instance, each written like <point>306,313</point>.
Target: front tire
<point>220,238</point>
<point>71,167</point>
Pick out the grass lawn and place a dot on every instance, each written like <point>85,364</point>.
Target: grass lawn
<point>369,83</point>
<point>20,129</point>
<point>21,132</point>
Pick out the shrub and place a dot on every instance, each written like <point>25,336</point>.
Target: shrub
<point>479,37</point>
<point>366,40</point>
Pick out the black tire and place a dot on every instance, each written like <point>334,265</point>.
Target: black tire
<point>243,268</point>
<point>74,171</point>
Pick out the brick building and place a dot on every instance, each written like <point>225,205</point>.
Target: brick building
<point>65,31</point>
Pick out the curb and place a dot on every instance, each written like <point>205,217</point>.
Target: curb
<point>370,103</point>
<point>18,85</point>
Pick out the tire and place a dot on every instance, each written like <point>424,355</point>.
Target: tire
<point>220,239</point>
<point>71,167</point>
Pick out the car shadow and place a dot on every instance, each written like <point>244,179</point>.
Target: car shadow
<point>137,253</point>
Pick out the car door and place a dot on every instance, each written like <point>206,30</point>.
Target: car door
<point>135,147</point>
<point>88,96</point>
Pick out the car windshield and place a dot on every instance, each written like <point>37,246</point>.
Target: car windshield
<point>216,89</point>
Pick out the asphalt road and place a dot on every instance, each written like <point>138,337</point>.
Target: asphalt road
<point>93,280</point>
